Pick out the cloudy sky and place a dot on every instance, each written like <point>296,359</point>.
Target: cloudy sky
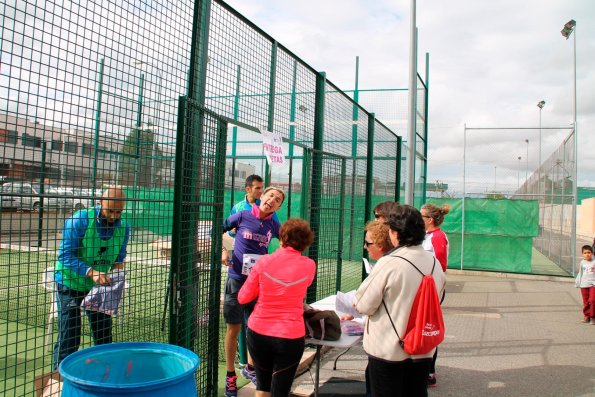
<point>491,62</point>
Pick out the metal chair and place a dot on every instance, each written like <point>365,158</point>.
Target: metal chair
<point>49,284</point>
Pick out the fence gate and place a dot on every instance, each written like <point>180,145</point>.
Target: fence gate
<point>194,294</point>
<point>326,206</point>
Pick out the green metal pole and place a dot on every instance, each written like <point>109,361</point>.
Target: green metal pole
<point>97,124</point>
<point>139,126</point>
<point>369,180</point>
<point>354,141</point>
<point>271,118</point>
<point>292,107</point>
<point>176,254</point>
<point>426,101</point>
<point>316,189</point>
<point>370,168</point>
<point>398,169</point>
<point>41,192</point>
<point>306,183</point>
<point>355,110</point>
<point>234,142</point>
<point>341,228</point>
<point>186,278</point>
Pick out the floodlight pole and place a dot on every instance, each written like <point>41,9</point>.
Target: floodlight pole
<point>527,168</point>
<point>540,105</point>
<point>567,30</point>
<point>464,195</point>
<point>410,185</point>
<point>518,176</point>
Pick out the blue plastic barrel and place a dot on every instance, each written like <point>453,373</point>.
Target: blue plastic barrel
<point>130,368</point>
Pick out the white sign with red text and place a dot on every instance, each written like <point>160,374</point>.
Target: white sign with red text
<point>273,148</point>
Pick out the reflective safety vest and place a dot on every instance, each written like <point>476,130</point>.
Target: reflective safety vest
<point>96,252</point>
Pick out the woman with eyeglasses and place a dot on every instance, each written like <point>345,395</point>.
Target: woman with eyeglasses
<point>386,296</point>
<point>377,241</point>
<point>435,242</point>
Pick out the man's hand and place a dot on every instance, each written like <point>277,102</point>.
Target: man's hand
<point>100,278</point>
<point>225,259</point>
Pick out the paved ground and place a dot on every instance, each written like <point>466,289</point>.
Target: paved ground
<point>506,336</point>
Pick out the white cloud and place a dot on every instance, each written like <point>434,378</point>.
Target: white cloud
<point>490,63</point>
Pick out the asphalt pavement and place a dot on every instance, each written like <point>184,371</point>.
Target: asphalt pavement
<point>506,335</point>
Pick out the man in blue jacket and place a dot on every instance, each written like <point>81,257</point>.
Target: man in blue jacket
<point>93,243</point>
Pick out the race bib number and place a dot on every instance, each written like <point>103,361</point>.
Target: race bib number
<point>247,262</point>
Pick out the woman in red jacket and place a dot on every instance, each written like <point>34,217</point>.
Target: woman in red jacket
<point>276,330</point>
<point>435,242</point>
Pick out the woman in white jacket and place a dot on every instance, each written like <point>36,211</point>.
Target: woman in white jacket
<point>393,280</point>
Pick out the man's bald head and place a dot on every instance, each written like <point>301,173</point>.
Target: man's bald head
<point>112,203</point>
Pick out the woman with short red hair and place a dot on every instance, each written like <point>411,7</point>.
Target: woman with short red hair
<point>276,326</point>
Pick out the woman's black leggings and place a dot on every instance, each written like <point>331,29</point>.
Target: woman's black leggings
<point>275,361</point>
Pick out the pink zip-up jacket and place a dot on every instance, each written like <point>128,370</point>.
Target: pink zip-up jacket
<point>280,282</point>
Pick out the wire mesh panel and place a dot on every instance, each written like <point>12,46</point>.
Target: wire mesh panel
<point>238,62</point>
<point>552,185</point>
<point>195,278</point>
<point>329,235</point>
<point>89,100</point>
<point>386,169</point>
<point>543,196</point>
<point>85,103</point>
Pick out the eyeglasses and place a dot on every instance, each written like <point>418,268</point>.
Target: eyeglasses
<point>426,216</point>
<point>367,243</point>
<point>377,216</point>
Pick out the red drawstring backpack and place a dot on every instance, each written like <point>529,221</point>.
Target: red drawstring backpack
<point>425,329</point>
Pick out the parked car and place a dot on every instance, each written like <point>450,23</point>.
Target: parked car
<point>24,196</point>
<point>81,198</point>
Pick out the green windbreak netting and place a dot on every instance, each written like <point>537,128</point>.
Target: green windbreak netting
<point>499,253</point>
<point>502,229</point>
<point>491,216</point>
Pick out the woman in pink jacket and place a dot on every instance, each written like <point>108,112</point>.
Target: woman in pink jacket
<point>276,326</point>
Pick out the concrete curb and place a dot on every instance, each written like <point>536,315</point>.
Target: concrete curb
<point>518,276</point>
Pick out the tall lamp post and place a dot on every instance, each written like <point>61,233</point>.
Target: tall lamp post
<point>518,175</point>
<point>567,30</point>
<point>540,105</point>
<point>527,168</point>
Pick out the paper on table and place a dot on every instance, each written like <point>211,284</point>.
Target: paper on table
<point>367,265</point>
<point>344,303</point>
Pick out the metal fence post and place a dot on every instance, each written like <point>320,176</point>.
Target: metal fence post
<point>315,194</point>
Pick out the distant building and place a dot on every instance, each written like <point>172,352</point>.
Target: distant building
<point>238,175</point>
<point>71,159</point>
<point>69,154</point>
